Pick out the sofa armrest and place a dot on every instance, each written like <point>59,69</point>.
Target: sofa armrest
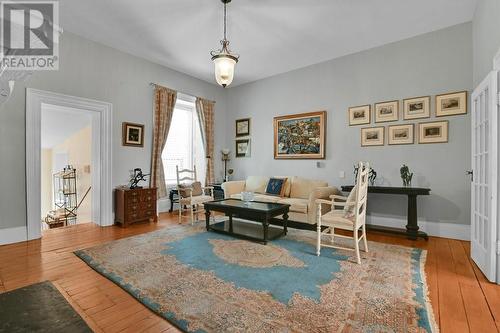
<point>233,187</point>
<point>320,193</point>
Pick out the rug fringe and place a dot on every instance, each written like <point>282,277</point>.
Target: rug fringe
<point>430,311</point>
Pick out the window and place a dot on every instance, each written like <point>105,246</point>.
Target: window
<point>184,145</point>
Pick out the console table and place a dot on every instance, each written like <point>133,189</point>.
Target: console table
<point>411,231</point>
<point>173,195</point>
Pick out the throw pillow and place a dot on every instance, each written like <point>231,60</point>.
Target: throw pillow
<point>193,189</point>
<point>276,186</point>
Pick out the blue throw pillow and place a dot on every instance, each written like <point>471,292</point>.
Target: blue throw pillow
<point>276,186</point>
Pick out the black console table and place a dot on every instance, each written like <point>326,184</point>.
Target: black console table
<point>411,231</point>
<point>173,195</point>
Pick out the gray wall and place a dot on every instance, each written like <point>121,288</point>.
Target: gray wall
<point>429,64</point>
<point>486,37</point>
<point>91,70</point>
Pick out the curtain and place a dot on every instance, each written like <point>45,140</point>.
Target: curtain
<point>164,103</point>
<point>205,111</point>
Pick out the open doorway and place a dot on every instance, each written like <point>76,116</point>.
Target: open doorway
<point>99,168</point>
<point>66,166</point>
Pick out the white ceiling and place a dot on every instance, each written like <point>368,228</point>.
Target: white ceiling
<point>272,36</point>
<point>58,124</point>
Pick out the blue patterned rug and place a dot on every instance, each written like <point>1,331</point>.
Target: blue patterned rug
<point>206,282</point>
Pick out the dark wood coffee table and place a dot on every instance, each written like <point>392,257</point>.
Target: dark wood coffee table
<point>261,212</point>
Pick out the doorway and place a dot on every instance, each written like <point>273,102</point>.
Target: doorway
<point>98,170</point>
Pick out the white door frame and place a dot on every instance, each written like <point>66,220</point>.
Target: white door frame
<point>101,155</point>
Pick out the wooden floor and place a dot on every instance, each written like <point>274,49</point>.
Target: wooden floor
<point>462,299</point>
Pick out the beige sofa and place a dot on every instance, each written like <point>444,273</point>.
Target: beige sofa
<point>300,194</point>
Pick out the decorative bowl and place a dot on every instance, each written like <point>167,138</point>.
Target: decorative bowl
<point>247,197</point>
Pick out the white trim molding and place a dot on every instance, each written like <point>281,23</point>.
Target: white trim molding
<point>496,61</point>
<point>437,229</point>
<point>101,155</point>
<point>13,235</point>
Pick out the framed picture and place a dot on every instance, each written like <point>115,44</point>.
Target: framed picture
<point>400,134</point>
<point>243,127</point>
<point>386,111</point>
<point>300,136</point>
<point>372,136</point>
<point>359,115</point>
<point>132,135</point>
<point>451,104</point>
<point>417,107</point>
<point>433,132</point>
<point>242,148</point>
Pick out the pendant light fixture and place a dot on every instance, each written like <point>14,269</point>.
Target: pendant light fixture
<point>223,59</point>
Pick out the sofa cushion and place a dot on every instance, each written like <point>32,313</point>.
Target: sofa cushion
<point>296,205</point>
<point>302,187</point>
<point>258,197</point>
<point>256,184</point>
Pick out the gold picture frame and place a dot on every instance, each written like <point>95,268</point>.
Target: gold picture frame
<point>451,104</point>
<point>400,134</point>
<point>242,127</point>
<point>433,132</point>
<point>386,111</point>
<point>417,107</point>
<point>132,135</point>
<point>372,136</point>
<point>300,136</point>
<point>359,115</point>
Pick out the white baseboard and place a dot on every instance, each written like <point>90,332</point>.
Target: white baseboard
<point>438,229</point>
<point>13,235</point>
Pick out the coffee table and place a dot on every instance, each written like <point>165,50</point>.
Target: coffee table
<point>261,212</point>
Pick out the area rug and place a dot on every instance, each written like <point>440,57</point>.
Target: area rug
<point>39,308</point>
<point>207,282</point>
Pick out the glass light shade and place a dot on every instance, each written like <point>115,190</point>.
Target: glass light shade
<point>225,151</point>
<point>224,70</point>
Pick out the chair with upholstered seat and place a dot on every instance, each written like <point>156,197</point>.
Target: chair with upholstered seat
<point>351,216</point>
<point>191,193</point>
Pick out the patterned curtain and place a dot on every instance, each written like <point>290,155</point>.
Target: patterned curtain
<point>205,111</point>
<point>164,103</point>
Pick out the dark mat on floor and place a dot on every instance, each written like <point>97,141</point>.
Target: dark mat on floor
<point>38,308</point>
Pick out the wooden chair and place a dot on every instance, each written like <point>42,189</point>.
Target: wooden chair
<point>185,179</point>
<point>352,215</point>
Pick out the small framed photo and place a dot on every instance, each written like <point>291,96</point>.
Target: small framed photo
<point>242,148</point>
<point>386,111</point>
<point>372,136</point>
<point>433,132</point>
<point>417,107</point>
<point>451,104</point>
<point>400,134</point>
<point>359,115</point>
<point>243,127</point>
<point>132,135</point>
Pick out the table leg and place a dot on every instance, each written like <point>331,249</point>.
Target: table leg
<point>231,223</point>
<point>171,198</point>
<point>285,222</point>
<point>207,218</point>
<point>412,226</point>
<point>265,225</point>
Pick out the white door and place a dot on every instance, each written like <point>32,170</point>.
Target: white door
<point>484,120</point>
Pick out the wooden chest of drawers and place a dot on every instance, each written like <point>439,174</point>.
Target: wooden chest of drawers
<point>135,205</point>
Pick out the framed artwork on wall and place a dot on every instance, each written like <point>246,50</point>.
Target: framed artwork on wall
<point>451,104</point>
<point>132,135</point>
<point>242,148</point>
<point>400,134</point>
<point>300,136</point>
<point>386,111</point>
<point>417,107</point>
<point>372,136</point>
<point>433,132</point>
<point>243,127</point>
<point>359,115</point>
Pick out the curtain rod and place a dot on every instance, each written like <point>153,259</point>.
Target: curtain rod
<point>152,84</point>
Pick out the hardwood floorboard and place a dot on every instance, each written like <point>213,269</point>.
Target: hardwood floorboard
<point>462,299</point>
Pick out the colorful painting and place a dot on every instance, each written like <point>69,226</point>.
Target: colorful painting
<point>300,136</point>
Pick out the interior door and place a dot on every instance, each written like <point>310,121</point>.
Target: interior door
<point>484,224</point>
